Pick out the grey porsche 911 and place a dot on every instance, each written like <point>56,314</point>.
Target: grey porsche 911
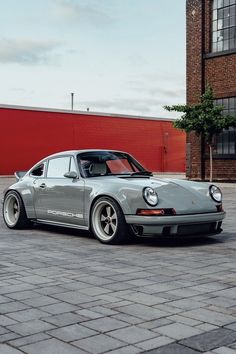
<point>111,194</point>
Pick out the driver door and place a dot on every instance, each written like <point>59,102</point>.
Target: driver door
<point>57,198</point>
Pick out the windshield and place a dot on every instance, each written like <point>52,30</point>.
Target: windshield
<point>103,163</point>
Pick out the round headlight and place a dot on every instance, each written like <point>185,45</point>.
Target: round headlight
<point>150,196</point>
<point>215,193</point>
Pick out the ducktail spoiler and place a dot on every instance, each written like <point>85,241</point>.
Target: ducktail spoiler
<point>19,174</point>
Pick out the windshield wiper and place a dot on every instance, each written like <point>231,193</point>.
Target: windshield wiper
<point>141,173</point>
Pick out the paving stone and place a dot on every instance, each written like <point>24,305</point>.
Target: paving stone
<point>178,331</point>
<point>6,349</point>
<point>132,334</point>
<point>104,324</point>
<point>89,314</point>
<point>224,350</point>
<point>117,304</point>
<point>6,321</point>
<point>155,323</point>
<point>129,349</point>
<point>206,327</point>
<point>64,319</point>
<point>94,290</point>
<point>30,327</point>
<point>145,299</point>
<point>40,301</point>
<point>27,315</point>
<point>208,316</point>
<point>23,295</point>
<point>142,311</point>
<point>211,340</point>
<point>29,339</point>
<point>6,337</point>
<point>104,311</point>
<point>230,326</point>
<point>58,308</point>
<point>4,299</point>
<point>50,290</point>
<point>35,280</point>
<point>173,348</point>
<point>228,293</point>
<point>3,330</point>
<point>98,344</point>
<point>187,304</point>
<point>127,318</point>
<point>50,346</point>
<point>185,320</point>
<point>154,343</point>
<point>12,307</point>
<point>221,301</point>
<point>72,333</point>
<point>73,297</point>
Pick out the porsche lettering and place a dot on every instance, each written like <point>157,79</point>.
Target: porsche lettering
<point>64,213</point>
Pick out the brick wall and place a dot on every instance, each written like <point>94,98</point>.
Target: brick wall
<point>220,73</point>
<point>194,80</point>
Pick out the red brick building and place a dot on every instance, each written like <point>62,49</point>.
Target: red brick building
<point>211,60</point>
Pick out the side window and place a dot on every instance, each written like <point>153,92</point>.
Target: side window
<point>72,165</point>
<point>58,167</point>
<point>38,171</point>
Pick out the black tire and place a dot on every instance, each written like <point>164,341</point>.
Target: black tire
<point>14,214</point>
<point>107,221</point>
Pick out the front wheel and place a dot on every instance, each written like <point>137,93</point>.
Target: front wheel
<point>14,213</point>
<point>107,221</point>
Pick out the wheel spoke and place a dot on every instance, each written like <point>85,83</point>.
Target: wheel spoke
<point>108,210</point>
<point>103,218</point>
<point>113,218</point>
<point>113,226</point>
<point>15,208</point>
<point>106,229</point>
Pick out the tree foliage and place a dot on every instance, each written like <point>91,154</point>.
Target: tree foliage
<point>204,118</point>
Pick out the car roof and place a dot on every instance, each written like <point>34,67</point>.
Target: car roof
<point>75,152</point>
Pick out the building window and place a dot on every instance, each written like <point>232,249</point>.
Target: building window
<point>226,141</point>
<point>223,25</point>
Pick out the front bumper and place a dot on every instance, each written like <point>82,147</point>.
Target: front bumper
<point>208,223</point>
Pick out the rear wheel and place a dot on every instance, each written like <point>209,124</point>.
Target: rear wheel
<point>14,213</point>
<point>107,221</point>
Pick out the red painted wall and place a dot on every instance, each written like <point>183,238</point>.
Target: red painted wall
<point>26,136</point>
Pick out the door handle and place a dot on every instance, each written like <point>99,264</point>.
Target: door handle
<point>43,185</point>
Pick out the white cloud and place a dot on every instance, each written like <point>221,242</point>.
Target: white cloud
<point>73,12</point>
<point>144,106</point>
<point>26,51</point>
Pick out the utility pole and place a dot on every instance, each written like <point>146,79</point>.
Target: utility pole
<point>72,101</point>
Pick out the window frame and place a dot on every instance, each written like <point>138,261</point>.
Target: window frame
<point>224,13</point>
<point>230,107</point>
<point>59,157</point>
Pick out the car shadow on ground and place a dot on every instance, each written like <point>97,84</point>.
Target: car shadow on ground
<point>178,241</point>
<point>144,241</point>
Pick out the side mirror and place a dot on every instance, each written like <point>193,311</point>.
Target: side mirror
<point>71,174</point>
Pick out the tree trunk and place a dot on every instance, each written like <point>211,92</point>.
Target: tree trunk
<point>211,169</point>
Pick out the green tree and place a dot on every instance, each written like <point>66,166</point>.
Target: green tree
<point>205,119</point>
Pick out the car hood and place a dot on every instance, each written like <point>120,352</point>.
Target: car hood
<point>184,196</point>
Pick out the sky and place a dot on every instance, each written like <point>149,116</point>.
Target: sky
<point>116,56</point>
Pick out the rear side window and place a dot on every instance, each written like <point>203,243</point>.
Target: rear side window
<point>38,171</point>
<point>58,167</point>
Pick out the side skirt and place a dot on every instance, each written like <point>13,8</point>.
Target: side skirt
<point>71,226</point>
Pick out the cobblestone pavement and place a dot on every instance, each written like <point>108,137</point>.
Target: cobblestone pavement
<point>62,292</point>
